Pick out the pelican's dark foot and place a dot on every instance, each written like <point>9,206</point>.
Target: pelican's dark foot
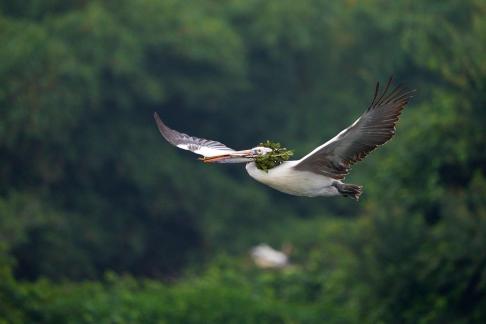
<point>349,190</point>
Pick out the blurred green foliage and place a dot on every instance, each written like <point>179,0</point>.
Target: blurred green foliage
<point>101,221</point>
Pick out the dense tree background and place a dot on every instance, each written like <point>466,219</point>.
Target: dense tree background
<point>102,221</point>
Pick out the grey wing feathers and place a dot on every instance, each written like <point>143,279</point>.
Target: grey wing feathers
<point>375,127</point>
<point>197,145</point>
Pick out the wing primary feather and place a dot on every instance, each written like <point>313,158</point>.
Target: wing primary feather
<point>380,101</point>
<point>377,88</point>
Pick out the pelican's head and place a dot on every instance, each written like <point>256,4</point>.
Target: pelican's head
<point>239,156</point>
<point>260,151</point>
<point>266,156</point>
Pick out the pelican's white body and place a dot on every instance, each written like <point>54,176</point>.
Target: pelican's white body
<point>265,256</point>
<point>286,179</point>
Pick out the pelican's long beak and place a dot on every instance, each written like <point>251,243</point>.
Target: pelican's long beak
<point>228,158</point>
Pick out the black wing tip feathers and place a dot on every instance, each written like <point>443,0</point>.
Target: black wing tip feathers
<point>399,93</point>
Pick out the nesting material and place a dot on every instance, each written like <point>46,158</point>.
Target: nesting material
<point>270,160</point>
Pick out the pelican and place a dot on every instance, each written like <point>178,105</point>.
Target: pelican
<point>322,171</point>
<point>267,257</point>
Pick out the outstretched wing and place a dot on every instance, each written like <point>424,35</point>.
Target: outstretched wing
<point>199,146</point>
<point>375,127</point>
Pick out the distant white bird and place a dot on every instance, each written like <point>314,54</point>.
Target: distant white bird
<point>319,173</point>
<point>265,256</point>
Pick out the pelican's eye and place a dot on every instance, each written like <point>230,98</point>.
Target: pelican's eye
<point>260,151</point>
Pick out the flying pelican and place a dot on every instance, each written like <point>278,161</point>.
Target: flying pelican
<point>319,173</point>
